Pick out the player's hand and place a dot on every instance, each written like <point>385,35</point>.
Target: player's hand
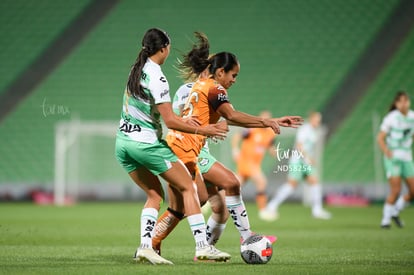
<point>272,123</point>
<point>215,131</point>
<point>223,126</point>
<point>290,121</point>
<point>192,120</point>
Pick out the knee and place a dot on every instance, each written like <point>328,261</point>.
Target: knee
<point>203,199</point>
<point>232,183</point>
<point>154,199</point>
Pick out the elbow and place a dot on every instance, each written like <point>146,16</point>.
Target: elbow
<point>170,123</point>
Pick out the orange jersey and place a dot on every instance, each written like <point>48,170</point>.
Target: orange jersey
<point>205,98</point>
<point>255,143</point>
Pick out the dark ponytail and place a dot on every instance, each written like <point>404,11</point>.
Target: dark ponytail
<point>153,40</point>
<point>397,97</point>
<point>197,60</point>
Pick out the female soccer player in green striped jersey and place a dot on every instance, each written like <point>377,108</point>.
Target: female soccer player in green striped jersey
<point>395,140</point>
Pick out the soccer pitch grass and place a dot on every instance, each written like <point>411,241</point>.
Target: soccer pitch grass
<point>100,238</point>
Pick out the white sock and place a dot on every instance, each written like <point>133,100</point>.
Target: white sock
<point>148,221</point>
<point>280,196</point>
<point>399,206</point>
<point>387,213</point>
<point>238,213</point>
<point>198,227</point>
<point>316,195</point>
<point>214,230</point>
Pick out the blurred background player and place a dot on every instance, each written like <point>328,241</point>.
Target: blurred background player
<point>395,139</point>
<point>249,147</point>
<point>301,167</point>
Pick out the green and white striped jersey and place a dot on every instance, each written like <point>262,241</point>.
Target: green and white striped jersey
<point>180,97</point>
<point>399,130</point>
<point>307,136</point>
<point>140,119</point>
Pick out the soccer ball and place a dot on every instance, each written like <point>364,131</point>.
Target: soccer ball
<point>256,249</point>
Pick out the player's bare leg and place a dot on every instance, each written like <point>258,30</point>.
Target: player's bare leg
<point>402,202</point>
<point>271,213</point>
<point>260,182</point>
<point>388,210</point>
<point>151,185</point>
<point>187,192</point>
<point>316,197</point>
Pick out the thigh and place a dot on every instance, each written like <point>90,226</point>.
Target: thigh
<point>410,184</point>
<point>393,168</point>
<point>395,184</point>
<point>407,169</point>
<point>296,172</point>
<point>221,176</point>
<point>259,179</point>
<point>148,182</point>
<point>178,177</point>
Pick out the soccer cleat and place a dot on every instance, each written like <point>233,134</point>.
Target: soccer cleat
<point>157,248</point>
<point>322,214</point>
<point>268,215</point>
<point>271,238</point>
<point>398,221</point>
<point>210,253</point>
<point>148,255</point>
<point>386,226</point>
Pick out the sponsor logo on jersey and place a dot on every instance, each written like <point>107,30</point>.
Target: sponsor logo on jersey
<point>184,97</point>
<point>129,128</point>
<point>163,79</point>
<point>164,93</point>
<point>222,97</point>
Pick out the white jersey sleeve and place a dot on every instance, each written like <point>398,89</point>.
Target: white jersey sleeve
<point>302,134</point>
<point>159,88</point>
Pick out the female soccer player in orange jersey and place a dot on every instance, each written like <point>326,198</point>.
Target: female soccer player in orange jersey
<point>208,101</point>
<point>249,148</point>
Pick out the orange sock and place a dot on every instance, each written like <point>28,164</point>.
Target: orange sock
<point>165,224</point>
<point>261,200</point>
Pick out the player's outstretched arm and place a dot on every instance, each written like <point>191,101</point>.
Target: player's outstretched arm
<point>290,121</point>
<point>241,119</point>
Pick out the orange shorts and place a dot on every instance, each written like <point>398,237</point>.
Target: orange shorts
<point>189,158</point>
<point>246,169</point>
